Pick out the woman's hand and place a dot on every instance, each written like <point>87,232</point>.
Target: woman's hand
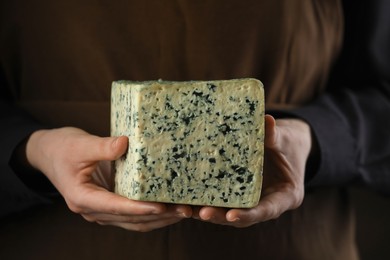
<point>78,165</point>
<point>287,147</point>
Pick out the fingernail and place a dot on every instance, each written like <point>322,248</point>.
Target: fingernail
<point>182,214</point>
<point>179,213</point>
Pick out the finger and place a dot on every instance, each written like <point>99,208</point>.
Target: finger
<point>270,131</point>
<point>213,215</point>
<point>144,227</point>
<point>96,199</point>
<point>96,148</point>
<point>135,219</point>
<point>184,211</point>
<point>270,207</point>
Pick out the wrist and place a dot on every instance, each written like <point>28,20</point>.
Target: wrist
<point>301,131</point>
<point>297,142</point>
<point>26,172</point>
<point>34,152</point>
<point>297,131</point>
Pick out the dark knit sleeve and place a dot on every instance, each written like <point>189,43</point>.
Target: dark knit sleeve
<point>20,187</point>
<point>351,121</point>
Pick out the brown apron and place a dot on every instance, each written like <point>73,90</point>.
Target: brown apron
<point>69,53</point>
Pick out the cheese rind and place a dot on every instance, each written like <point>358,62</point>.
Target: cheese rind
<point>195,142</point>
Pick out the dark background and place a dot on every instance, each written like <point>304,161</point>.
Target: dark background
<point>23,235</point>
<point>373,223</point>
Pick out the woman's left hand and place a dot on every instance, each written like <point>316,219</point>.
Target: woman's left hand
<point>287,146</point>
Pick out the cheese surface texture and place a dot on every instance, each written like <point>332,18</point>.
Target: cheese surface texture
<point>192,142</point>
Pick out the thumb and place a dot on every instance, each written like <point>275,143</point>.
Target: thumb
<point>105,148</point>
<point>271,132</point>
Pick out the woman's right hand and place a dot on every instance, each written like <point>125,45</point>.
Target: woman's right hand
<point>78,165</point>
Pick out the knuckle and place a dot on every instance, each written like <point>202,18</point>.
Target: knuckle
<point>276,214</point>
<point>89,218</point>
<point>75,206</point>
<point>272,208</point>
<point>297,195</point>
<point>297,199</point>
<point>273,211</point>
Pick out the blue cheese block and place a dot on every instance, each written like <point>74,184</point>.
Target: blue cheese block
<point>195,142</point>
